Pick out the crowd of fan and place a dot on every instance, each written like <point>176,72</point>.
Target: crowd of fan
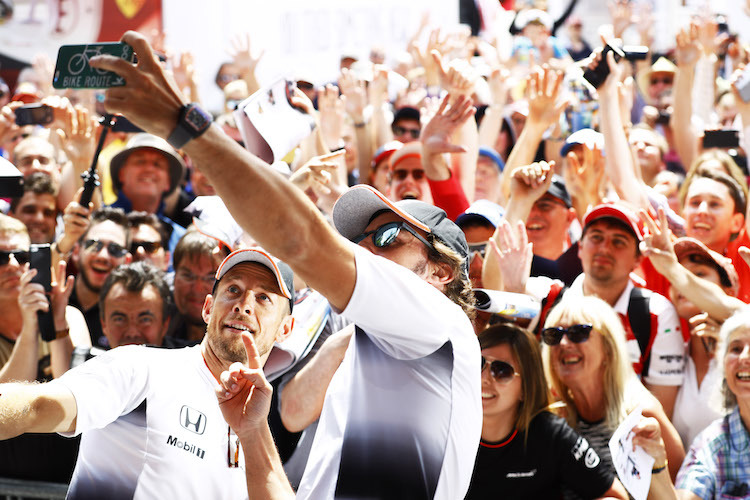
<point>612,208</point>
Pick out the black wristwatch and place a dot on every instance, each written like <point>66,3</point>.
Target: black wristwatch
<point>192,123</point>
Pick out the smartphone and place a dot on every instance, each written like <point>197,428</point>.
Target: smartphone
<point>72,70</point>
<point>34,114</point>
<point>41,260</point>
<point>723,139</point>
<point>122,124</point>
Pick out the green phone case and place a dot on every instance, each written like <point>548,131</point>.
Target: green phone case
<point>73,71</point>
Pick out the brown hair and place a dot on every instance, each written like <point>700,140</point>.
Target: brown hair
<point>528,355</point>
<point>459,290</point>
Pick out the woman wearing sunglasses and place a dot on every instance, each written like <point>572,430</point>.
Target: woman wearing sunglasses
<point>526,451</point>
<point>587,364</point>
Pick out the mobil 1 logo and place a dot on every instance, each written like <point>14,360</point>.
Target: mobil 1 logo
<point>73,71</point>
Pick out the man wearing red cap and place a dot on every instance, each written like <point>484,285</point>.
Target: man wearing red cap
<point>609,254</point>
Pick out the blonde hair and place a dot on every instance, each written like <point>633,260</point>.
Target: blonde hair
<point>740,320</point>
<point>618,374</point>
<point>10,226</point>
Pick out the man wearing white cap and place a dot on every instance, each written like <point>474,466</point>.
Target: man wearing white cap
<point>402,414</point>
<point>150,421</point>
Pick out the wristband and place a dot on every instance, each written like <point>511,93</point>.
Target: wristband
<point>660,468</point>
<point>61,334</point>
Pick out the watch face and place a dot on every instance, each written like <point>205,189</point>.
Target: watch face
<point>197,119</point>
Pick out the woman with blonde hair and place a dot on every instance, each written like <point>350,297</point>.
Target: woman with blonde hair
<point>586,359</point>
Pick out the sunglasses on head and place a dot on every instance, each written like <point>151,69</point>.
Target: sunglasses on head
<point>501,371</point>
<point>113,249</point>
<point>387,234</point>
<point>575,333</point>
<point>399,130</point>
<point>665,81</point>
<point>148,246</point>
<point>21,256</point>
<point>402,173</point>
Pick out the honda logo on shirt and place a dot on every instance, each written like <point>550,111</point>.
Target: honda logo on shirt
<point>192,420</point>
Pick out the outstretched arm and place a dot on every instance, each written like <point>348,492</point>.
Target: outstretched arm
<point>247,185</point>
<point>28,407</point>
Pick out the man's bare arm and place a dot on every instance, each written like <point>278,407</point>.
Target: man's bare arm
<point>29,407</point>
<point>303,396</point>
<point>279,217</point>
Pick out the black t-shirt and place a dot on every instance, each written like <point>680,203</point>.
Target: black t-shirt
<point>554,455</point>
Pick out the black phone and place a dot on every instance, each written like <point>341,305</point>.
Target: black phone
<point>122,124</point>
<point>596,76</point>
<point>41,260</point>
<point>724,139</point>
<point>34,114</point>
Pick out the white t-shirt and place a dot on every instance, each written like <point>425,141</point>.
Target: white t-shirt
<point>693,409</point>
<point>152,427</point>
<point>402,415</point>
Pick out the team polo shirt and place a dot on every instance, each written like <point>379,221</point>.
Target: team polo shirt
<point>152,428</point>
<point>402,416</point>
<point>667,356</point>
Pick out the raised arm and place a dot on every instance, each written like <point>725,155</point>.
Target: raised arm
<point>707,296</point>
<point>28,407</point>
<point>544,86</point>
<point>259,199</point>
<point>688,52</point>
<point>303,396</point>
<point>619,161</point>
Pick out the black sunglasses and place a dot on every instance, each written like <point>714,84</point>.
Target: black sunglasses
<point>501,371</point>
<point>387,234</point>
<point>148,246</point>
<point>21,256</point>
<point>402,174</point>
<point>575,333</point>
<point>399,130</point>
<point>113,249</point>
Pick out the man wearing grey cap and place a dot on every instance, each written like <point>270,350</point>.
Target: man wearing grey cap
<point>150,423</point>
<point>402,415</point>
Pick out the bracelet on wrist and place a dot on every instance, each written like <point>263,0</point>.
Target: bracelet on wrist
<point>61,334</point>
<point>659,468</point>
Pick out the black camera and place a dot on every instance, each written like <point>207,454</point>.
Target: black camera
<point>596,76</point>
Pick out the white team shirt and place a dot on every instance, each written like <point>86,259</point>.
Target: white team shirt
<point>152,427</point>
<point>402,415</point>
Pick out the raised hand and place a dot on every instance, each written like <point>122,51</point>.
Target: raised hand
<point>242,54</point>
<point>457,77</point>
<point>150,99</point>
<point>78,136</point>
<point>354,95</point>
<point>688,49</point>
<point>76,219</point>
<point>513,253</point>
<point>31,297</point>
<point>544,87</point>
<point>437,133</point>
<point>583,179</point>
<point>657,244</point>
<point>530,182</point>
<point>332,115</point>
<point>62,287</point>
<point>244,394</point>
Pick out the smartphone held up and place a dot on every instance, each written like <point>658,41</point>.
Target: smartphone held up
<point>73,71</point>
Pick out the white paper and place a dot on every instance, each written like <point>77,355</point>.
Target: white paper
<point>271,127</point>
<point>633,467</point>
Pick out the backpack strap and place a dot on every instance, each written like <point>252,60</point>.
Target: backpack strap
<point>639,316</point>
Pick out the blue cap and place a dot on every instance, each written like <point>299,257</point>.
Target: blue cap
<point>492,155</point>
<point>483,211</point>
